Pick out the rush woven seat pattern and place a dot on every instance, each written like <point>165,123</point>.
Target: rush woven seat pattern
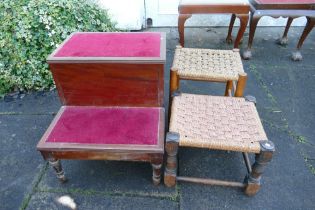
<point>214,122</point>
<point>207,64</point>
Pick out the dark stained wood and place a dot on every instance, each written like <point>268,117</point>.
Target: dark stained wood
<point>53,151</point>
<point>229,38</point>
<point>181,27</point>
<point>289,10</point>
<point>110,84</point>
<point>84,154</point>
<point>56,165</point>
<point>308,28</point>
<point>252,180</point>
<point>108,81</point>
<point>284,6</point>
<point>171,148</point>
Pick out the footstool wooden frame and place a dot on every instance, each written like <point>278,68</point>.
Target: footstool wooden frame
<point>111,86</point>
<point>209,65</point>
<point>238,9</point>
<point>220,123</point>
<point>276,9</point>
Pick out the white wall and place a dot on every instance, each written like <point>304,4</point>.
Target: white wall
<point>131,15</point>
<point>165,13</point>
<point>128,14</point>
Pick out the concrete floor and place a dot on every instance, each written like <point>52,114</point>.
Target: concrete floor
<point>285,94</point>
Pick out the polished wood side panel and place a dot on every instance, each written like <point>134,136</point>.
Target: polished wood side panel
<point>99,155</point>
<point>109,84</point>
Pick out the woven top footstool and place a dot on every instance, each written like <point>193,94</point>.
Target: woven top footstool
<point>208,65</point>
<point>281,8</point>
<point>238,8</point>
<point>219,123</point>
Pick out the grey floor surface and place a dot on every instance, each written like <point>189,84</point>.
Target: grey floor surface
<point>285,93</point>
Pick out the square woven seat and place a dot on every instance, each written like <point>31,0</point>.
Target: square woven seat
<point>220,123</point>
<point>214,122</point>
<point>207,64</point>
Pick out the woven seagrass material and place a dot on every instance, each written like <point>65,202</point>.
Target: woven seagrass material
<point>216,122</point>
<point>207,64</point>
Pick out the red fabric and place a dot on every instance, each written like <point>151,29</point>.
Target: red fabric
<point>94,125</point>
<point>285,1</point>
<point>112,45</point>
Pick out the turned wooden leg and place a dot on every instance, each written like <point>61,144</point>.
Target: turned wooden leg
<point>156,167</point>
<point>284,39</point>
<point>174,86</point>
<point>229,38</point>
<point>252,180</point>
<point>243,24</point>
<point>228,88</point>
<point>181,27</point>
<point>252,28</point>
<point>171,147</point>
<point>297,56</point>
<point>174,81</point>
<point>56,165</point>
<point>241,84</point>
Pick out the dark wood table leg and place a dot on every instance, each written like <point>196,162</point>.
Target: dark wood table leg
<point>297,56</point>
<point>171,147</point>
<point>284,39</point>
<point>56,165</point>
<point>156,167</point>
<point>252,180</point>
<point>181,27</point>
<point>243,24</point>
<point>254,18</point>
<point>229,38</point>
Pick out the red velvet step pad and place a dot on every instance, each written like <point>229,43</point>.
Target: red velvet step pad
<point>285,1</point>
<point>99,125</point>
<point>112,45</point>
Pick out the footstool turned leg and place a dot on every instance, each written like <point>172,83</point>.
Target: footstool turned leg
<point>229,38</point>
<point>171,147</point>
<point>228,88</point>
<point>252,28</point>
<point>56,165</point>
<point>241,83</point>
<point>181,27</point>
<point>252,180</point>
<point>284,39</point>
<point>174,81</point>
<point>174,86</point>
<point>297,56</point>
<point>156,173</point>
